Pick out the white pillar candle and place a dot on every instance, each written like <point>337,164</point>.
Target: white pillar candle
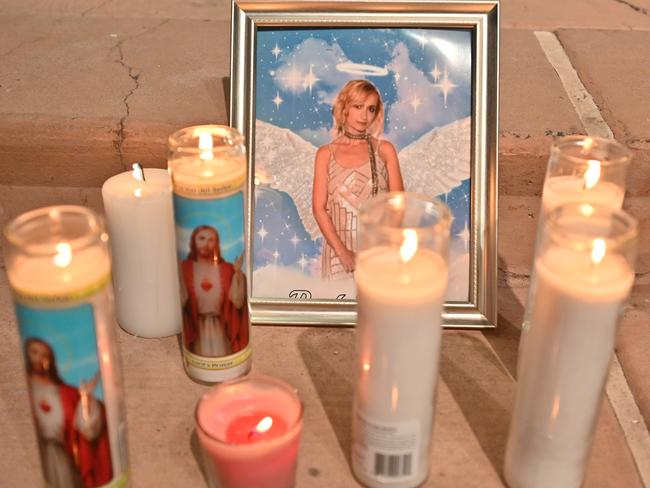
<point>398,341</point>
<point>564,366</point>
<point>145,273</point>
<point>59,267</point>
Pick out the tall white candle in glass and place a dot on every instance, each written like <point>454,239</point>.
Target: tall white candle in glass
<point>401,276</point>
<point>138,207</point>
<point>58,265</point>
<point>580,169</point>
<point>585,271</point>
<point>208,168</point>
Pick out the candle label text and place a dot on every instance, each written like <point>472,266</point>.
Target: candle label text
<point>386,451</point>
<point>210,251</point>
<point>73,390</point>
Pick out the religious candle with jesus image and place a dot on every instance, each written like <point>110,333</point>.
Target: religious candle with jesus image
<point>208,170</point>
<point>59,270</point>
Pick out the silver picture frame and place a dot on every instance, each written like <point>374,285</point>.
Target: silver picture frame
<point>481,20</point>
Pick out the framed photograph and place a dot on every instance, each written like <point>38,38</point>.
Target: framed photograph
<point>341,100</point>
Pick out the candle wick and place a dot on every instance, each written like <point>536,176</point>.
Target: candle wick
<point>141,171</point>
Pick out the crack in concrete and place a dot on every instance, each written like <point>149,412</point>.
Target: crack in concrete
<point>97,7</point>
<point>134,75</point>
<point>636,8</point>
<point>120,131</point>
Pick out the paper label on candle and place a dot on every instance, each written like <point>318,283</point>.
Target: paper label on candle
<point>208,189</point>
<point>80,429</point>
<point>386,451</point>
<point>210,251</point>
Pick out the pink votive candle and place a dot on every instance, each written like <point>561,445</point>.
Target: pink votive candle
<point>249,429</point>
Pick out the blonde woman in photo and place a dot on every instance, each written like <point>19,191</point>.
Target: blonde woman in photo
<point>355,166</point>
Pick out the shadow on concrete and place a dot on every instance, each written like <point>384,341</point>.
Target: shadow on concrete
<point>329,358</point>
<point>469,369</point>
<point>505,338</point>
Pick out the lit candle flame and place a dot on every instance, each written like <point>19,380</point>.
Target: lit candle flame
<point>592,175</point>
<point>598,250</point>
<point>137,192</point>
<point>138,172</point>
<point>366,366</point>
<point>409,245</point>
<point>205,145</point>
<point>63,255</point>
<point>263,425</point>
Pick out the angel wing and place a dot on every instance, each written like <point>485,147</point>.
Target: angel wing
<point>285,161</point>
<point>438,161</point>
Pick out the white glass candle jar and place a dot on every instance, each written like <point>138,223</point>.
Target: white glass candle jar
<point>585,270</point>
<point>580,169</point>
<point>401,276</point>
<point>59,271</point>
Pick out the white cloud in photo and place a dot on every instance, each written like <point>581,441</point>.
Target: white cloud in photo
<point>318,137</point>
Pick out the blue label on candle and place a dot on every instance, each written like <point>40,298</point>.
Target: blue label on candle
<point>210,250</point>
<point>67,397</point>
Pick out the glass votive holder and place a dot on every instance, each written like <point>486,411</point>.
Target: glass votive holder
<point>585,271</point>
<point>401,276</point>
<point>249,430</point>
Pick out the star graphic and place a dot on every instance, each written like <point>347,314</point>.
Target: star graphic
<point>276,51</point>
<point>262,233</point>
<point>294,240</point>
<point>310,80</point>
<point>303,262</point>
<point>275,255</point>
<point>463,235</point>
<point>415,103</point>
<point>397,76</point>
<point>435,73</point>
<point>277,100</point>
<point>446,85</point>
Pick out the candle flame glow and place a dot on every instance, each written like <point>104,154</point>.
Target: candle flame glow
<point>263,425</point>
<point>598,250</point>
<point>63,255</point>
<point>592,175</point>
<point>137,172</point>
<point>137,192</point>
<point>205,145</point>
<point>366,367</point>
<point>586,210</point>
<point>409,245</point>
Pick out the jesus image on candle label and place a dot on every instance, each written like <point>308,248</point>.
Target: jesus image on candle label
<point>70,422</point>
<point>215,313</point>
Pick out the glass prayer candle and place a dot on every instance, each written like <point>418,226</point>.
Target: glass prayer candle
<point>208,169</point>
<point>249,429</point>
<point>59,270</point>
<point>580,169</point>
<point>585,270</point>
<point>401,276</point>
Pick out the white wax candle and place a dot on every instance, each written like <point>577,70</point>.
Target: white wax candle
<point>398,341</point>
<point>564,367</point>
<point>141,225</point>
<point>559,190</point>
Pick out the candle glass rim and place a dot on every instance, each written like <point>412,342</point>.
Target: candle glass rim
<point>178,141</point>
<point>572,238</point>
<point>296,425</point>
<point>617,153</point>
<point>96,230</point>
<point>443,214</point>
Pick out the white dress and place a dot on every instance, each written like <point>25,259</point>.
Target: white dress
<point>212,339</point>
